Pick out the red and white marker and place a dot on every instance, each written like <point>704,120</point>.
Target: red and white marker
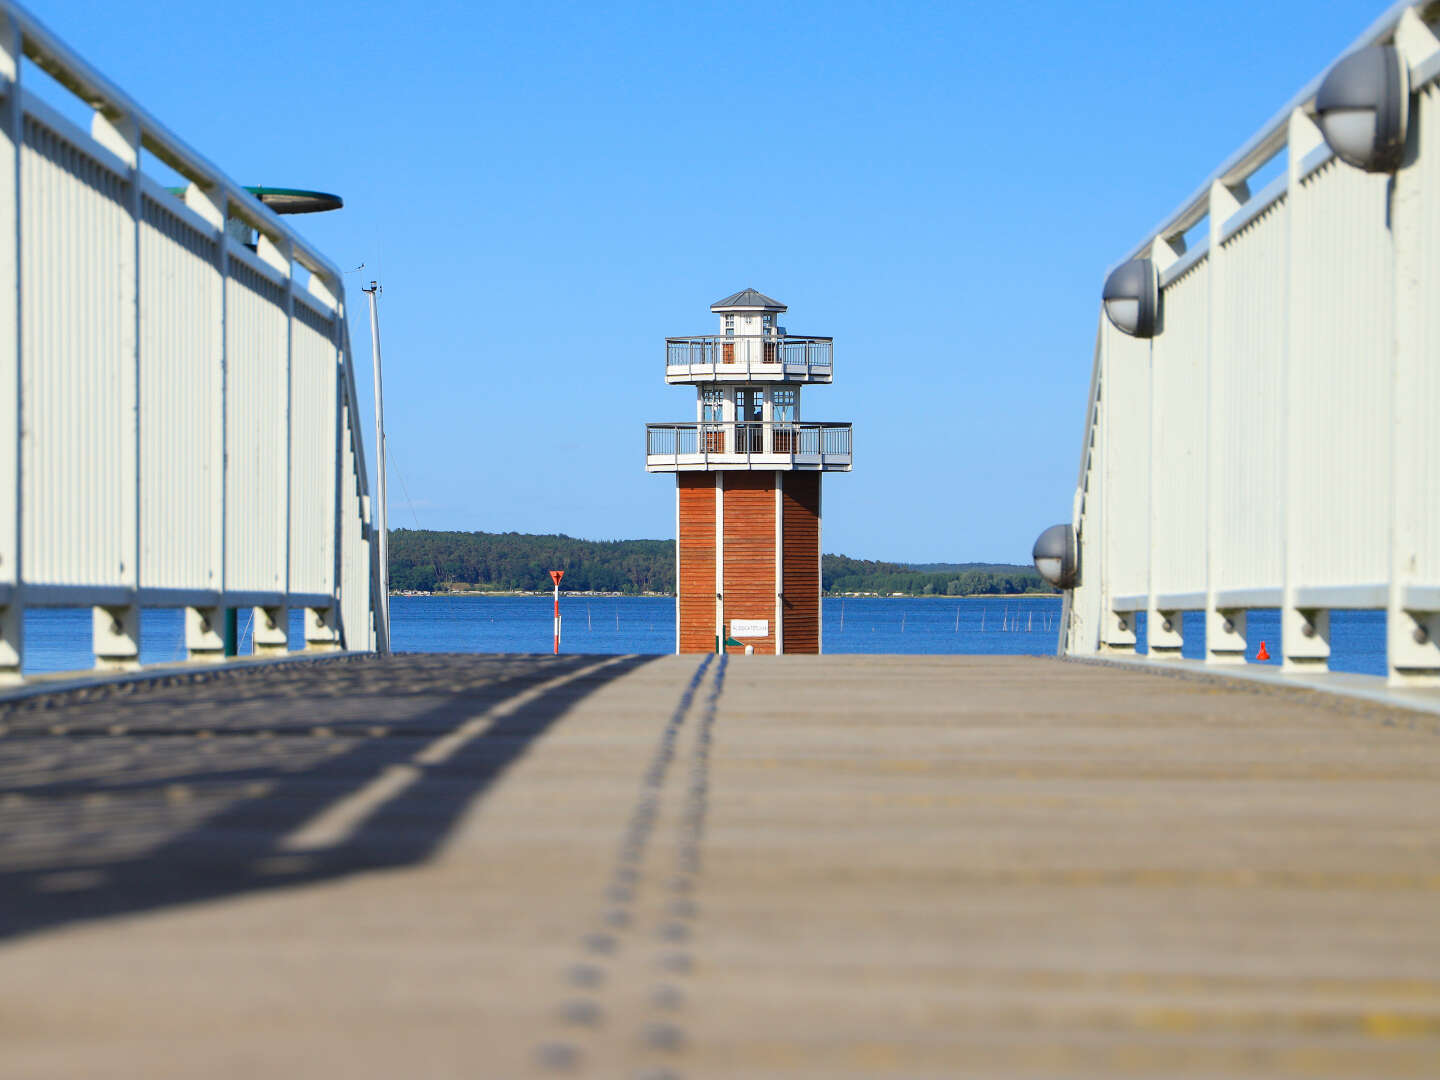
<point>555,576</point>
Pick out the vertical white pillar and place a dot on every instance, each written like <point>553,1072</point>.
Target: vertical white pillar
<point>211,204</point>
<point>1080,610</point>
<point>1117,628</point>
<point>720,562</point>
<point>337,513</point>
<point>116,630</point>
<point>1163,628</point>
<point>819,562</point>
<point>779,563</point>
<point>280,254</point>
<point>1304,632</point>
<point>1412,618</point>
<point>677,562</point>
<point>12,616</point>
<point>1224,629</point>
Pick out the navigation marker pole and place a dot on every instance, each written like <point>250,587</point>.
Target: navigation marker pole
<point>382,622</point>
<point>555,576</point>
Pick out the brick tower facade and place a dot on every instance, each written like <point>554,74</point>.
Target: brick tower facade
<point>747,482</point>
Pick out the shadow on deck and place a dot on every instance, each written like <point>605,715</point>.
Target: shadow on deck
<point>129,797</point>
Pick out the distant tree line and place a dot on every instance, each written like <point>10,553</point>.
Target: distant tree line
<point>425,561</point>
<point>841,574</point>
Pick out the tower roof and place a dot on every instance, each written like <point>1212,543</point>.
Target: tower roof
<point>747,300</point>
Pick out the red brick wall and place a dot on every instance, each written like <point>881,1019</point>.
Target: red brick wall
<point>696,492</point>
<point>802,562</point>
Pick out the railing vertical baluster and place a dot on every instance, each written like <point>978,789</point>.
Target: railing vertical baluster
<point>1225,641</point>
<point>322,625</point>
<point>1304,633</point>
<point>1117,628</point>
<point>116,627</point>
<point>1413,610</point>
<point>1164,628</point>
<point>205,626</point>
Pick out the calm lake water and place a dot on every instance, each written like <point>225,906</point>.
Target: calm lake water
<point>58,639</point>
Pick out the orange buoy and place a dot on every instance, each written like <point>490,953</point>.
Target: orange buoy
<point>1263,654</point>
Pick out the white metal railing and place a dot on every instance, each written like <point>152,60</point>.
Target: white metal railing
<point>1273,444</point>
<point>748,356</point>
<point>760,445</point>
<point>178,420</point>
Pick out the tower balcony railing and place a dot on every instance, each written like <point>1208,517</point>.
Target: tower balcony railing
<point>748,358</point>
<point>774,445</point>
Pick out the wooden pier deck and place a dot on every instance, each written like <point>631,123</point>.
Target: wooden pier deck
<point>683,867</point>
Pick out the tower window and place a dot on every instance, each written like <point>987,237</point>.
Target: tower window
<point>729,325</point>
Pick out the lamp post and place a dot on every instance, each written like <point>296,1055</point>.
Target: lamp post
<point>382,627</point>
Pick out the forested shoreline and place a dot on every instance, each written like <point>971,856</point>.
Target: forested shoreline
<point>422,560</point>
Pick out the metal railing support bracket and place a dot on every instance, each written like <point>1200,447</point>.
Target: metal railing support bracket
<point>271,634</point>
<point>1164,633</point>
<point>322,629</point>
<point>205,633</point>
<point>12,643</point>
<point>116,637</point>
<point>1225,641</point>
<point>1117,632</point>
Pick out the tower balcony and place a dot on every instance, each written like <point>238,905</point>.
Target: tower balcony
<point>710,447</point>
<point>748,358</point>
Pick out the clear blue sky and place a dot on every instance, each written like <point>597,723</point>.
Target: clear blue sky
<point>547,190</point>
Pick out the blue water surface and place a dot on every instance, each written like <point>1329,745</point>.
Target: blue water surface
<point>634,624</point>
<point>59,639</point>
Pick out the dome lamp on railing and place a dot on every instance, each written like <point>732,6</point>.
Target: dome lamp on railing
<point>1055,556</point>
<point>1363,107</point>
<point>1132,298</point>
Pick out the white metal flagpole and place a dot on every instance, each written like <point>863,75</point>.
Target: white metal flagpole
<point>382,524</point>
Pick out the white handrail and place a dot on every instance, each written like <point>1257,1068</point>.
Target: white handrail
<point>1272,446</point>
<point>189,433</point>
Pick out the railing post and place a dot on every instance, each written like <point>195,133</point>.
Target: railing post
<point>281,255</point>
<point>1413,609</point>
<point>1164,628</point>
<point>1304,632</point>
<point>337,512</point>
<point>206,627</point>
<point>1225,641</point>
<point>271,633</point>
<point>12,615</point>
<point>116,630</point>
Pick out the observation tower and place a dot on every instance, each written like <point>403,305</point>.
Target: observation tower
<point>747,481</point>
